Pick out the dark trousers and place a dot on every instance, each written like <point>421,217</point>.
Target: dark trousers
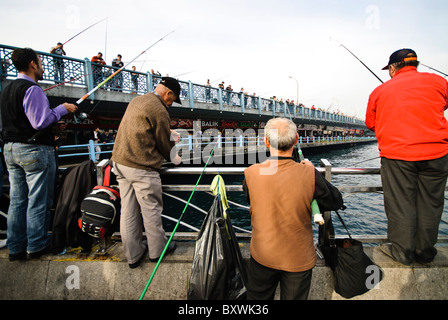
<point>263,282</point>
<point>413,201</point>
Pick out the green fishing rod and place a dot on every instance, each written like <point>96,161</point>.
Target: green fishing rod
<point>317,215</point>
<point>177,225</point>
<point>298,155</point>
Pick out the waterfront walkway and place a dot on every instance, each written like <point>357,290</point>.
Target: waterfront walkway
<point>75,276</point>
<point>104,274</point>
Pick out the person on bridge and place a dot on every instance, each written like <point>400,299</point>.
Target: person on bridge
<point>143,140</point>
<point>97,67</point>
<point>407,115</point>
<point>58,62</point>
<point>29,152</point>
<point>280,192</point>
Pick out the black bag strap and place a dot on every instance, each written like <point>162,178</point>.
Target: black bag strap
<point>326,231</point>
<point>345,227</point>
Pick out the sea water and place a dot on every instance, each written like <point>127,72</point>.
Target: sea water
<point>364,214</point>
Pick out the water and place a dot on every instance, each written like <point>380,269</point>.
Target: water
<point>364,214</point>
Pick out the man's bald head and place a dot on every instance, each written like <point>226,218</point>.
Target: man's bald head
<point>281,133</point>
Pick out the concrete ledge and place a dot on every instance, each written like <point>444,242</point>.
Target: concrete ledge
<point>74,276</point>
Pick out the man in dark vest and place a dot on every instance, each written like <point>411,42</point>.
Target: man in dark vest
<point>30,156</point>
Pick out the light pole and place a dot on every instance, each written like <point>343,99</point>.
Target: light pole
<point>297,102</point>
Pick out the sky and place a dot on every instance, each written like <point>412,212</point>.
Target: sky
<point>290,49</point>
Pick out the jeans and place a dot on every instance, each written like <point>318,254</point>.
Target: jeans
<point>32,175</point>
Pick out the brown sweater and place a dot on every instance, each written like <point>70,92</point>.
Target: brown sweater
<point>143,138</point>
<point>280,205</point>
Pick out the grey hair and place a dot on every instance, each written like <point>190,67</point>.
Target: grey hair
<point>281,133</point>
<point>401,65</point>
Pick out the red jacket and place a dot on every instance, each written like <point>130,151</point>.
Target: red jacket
<point>407,115</point>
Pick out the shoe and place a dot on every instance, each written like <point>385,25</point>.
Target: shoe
<point>17,256</point>
<point>427,258</point>
<point>171,247</point>
<point>136,264</point>
<point>38,254</point>
<point>3,243</point>
<point>388,251</point>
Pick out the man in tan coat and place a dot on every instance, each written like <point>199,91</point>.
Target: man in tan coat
<point>144,140</point>
<point>280,192</point>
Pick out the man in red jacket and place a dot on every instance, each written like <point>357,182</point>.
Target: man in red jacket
<point>407,115</point>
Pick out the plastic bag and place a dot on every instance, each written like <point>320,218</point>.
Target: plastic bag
<point>218,272</point>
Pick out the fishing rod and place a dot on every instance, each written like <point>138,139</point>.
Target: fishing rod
<point>340,44</point>
<point>298,155</point>
<point>175,228</point>
<point>83,115</point>
<point>83,31</point>
<point>219,79</point>
<point>71,80</point>
<point>446,75</point>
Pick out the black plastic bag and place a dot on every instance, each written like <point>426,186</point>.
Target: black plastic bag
<point>354,272</point>
<point>218,271</point>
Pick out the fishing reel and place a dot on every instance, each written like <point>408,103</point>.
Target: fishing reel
<point>78,117</point>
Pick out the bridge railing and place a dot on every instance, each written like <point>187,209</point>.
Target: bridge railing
<point>325,168</point>
<point>95,150</point>
<point>82,72</point>
<point>243,234</point>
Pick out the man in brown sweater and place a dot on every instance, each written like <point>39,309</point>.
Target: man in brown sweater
<point>280,192</point>
<point>144,140</point>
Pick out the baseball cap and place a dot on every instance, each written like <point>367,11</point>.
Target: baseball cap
<point>401,55</point>
<point>173,85</point>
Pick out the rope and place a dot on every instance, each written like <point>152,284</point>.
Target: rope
<point>175,228</point>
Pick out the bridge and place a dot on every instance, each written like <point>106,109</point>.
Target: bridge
<point>215,107</point>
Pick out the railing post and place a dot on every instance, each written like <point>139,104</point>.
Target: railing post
<point>190,95</point>
<point>89,79</point>
<point>149,82</point>
<point>190,143</point>
<point>92,151</point>
<point>327,165</point>
<point>259,106</point>
<point>242,102</point>
<point>220,99</point>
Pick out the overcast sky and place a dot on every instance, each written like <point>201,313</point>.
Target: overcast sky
<point>254,44</point>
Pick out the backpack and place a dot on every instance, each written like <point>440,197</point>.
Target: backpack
<point>100,209</point>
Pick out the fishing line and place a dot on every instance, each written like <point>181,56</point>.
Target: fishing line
<point>355,164</point>
<point>177,225</point>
